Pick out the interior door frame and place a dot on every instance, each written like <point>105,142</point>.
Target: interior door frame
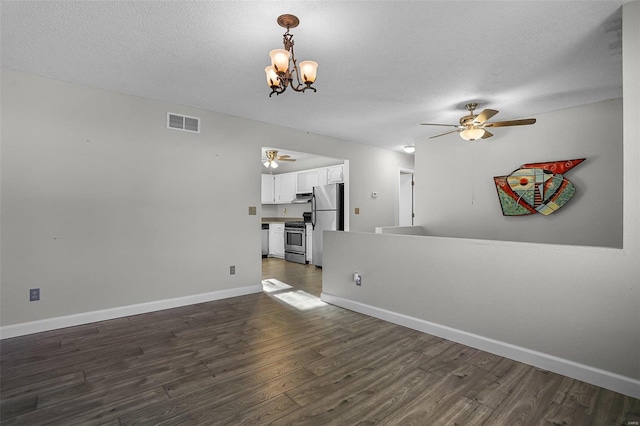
<point>403,171</point>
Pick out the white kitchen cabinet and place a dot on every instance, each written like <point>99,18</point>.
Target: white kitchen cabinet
<point>276,240</point>
<point>285,187</point>
<point>268,186</point>
<point>323,177</point>
<point>282,188</point>
<point>307,180</point>
<point>335,174</point>
<point>309,248</point>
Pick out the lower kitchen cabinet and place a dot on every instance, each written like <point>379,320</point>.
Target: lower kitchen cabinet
<point>276,240</point>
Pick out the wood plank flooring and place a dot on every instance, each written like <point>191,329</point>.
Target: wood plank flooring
<point>281,358</point>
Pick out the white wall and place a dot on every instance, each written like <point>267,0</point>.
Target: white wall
<point>463,201</point>
<point>104,208</point>
<point>570,309</point>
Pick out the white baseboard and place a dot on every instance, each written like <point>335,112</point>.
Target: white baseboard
<point>122,311</point>
<point>574,370</point>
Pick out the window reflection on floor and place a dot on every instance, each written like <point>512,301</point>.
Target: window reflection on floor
<point>299,299</point>
<point>270,285</point>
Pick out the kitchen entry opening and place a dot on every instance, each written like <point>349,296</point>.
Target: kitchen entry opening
<point>295,212</point>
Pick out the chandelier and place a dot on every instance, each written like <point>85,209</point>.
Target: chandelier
<point>280,74</point>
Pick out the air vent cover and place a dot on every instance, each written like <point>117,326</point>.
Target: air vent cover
<point>183,122</point>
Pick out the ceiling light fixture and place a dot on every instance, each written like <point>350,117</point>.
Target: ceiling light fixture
<point>409,149</point>
<point>284,66</point>
<point>472,133</point>
<point>271,156</point>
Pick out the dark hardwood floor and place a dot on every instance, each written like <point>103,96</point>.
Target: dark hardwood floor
<point>307,278</point>
<point>281,358</point>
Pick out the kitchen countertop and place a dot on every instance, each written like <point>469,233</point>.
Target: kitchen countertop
<point>281,219</point>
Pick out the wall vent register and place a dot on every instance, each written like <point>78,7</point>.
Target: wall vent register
<point>183,122</point>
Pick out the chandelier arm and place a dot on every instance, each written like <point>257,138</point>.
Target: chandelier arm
<point>295,71</point>
<point>309,87</point>
<point>298,83</point>
<point>288,45</point>
<point>277,90</point>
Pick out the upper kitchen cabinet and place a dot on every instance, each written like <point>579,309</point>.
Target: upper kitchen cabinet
<point>268,189</point>
<point>282,188</point>
<point>307,180</point>
<point>334,174</point>
<point>323,177</point>
<point>285,187</point>
<point>317,177</point>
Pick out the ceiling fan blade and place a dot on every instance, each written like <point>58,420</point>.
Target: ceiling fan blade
<point>442,134</point>
<point>282,157</point>
<point>522,122</point>
<point>286,159</point>
<point>484,116</point>
<point>487,134</point>
<point>434,124</point>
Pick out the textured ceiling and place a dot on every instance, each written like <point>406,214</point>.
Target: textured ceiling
<point>384,66</point>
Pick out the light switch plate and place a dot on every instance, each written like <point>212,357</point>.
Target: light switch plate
<point>252,210</point>
<point>34,294</point>
<point>357,210</point>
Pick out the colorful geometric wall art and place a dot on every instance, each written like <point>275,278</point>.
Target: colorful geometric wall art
<point>536,188</point>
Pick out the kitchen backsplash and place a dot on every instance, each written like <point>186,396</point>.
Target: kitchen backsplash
<point>285,210</point>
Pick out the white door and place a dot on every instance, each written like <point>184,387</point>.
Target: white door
<point>405,212</point>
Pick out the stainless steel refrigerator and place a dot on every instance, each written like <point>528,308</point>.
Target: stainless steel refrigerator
<point>327,214</point>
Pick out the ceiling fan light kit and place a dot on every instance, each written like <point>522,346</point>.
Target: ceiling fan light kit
<point>280,74</point>
<point>473,127</point>
<point>472,134</point>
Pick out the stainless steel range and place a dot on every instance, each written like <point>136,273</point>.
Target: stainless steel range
<point>295,241</point>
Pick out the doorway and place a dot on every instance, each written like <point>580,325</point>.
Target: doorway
<point>307,277</point>
<point>406,200</point>
<point>296,173</point>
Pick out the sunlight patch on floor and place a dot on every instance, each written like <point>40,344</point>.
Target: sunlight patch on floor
<point>270,285</point>
<point>299,299</point>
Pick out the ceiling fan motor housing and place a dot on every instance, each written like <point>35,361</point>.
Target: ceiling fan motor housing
<point>467,120</point>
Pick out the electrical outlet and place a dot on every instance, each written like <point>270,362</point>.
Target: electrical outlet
<point>232,270</point>
<point>357,278</point>
<point>34,294</point>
